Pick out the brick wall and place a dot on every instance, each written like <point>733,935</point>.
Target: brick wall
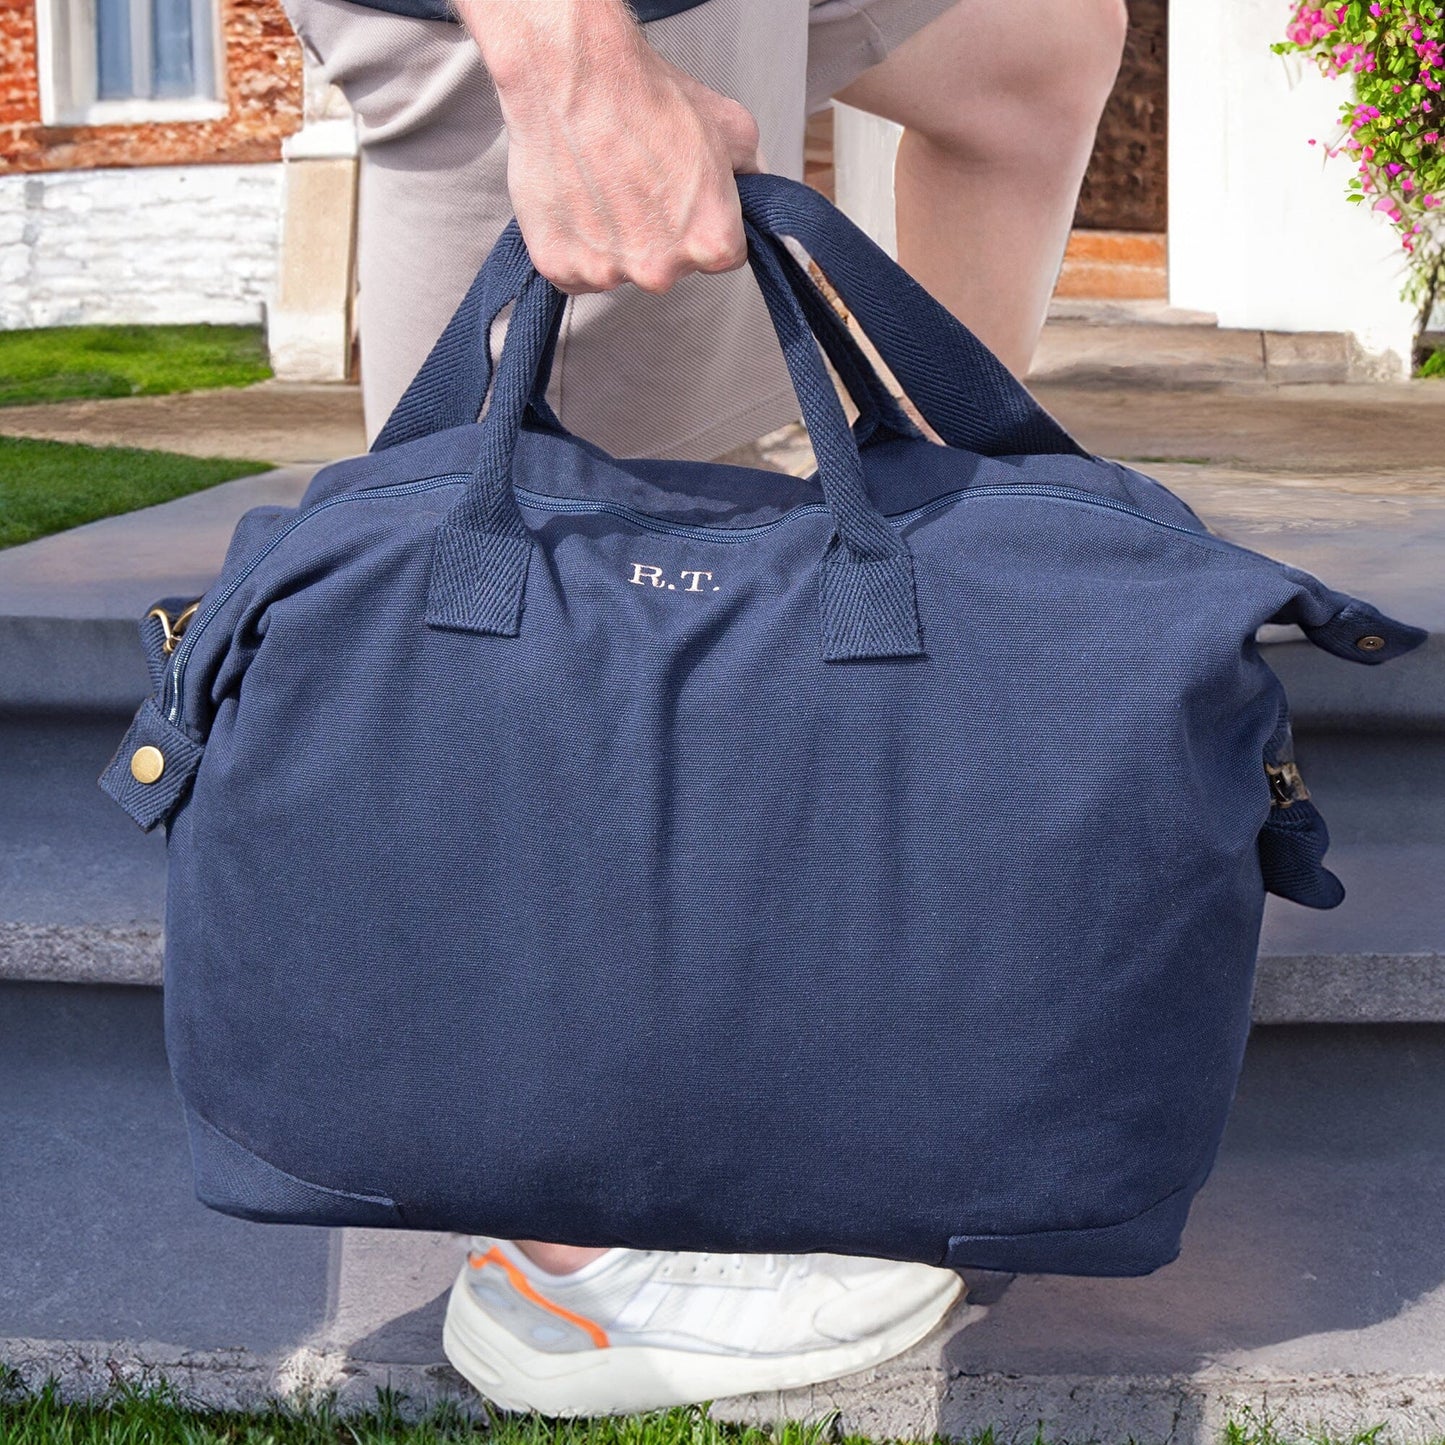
<point>263,88</point>
<point>19,98</point>
<point>1126,185</point>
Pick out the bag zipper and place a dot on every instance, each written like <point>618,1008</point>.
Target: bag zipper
<point>570,506</point>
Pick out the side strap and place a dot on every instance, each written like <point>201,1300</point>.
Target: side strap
<point>152,769</point>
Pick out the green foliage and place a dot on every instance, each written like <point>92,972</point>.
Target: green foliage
<point>61,363</point>
<point>1394,51</point>
<point>49,486</point>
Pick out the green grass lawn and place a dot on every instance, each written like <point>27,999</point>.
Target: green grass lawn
<point>62,363</point>
<point>158,1416</point>
<point>48,486</point>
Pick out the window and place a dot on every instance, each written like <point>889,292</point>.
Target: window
<point>110,62</point>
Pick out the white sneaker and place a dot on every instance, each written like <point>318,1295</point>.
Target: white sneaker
<point>643,1330</point>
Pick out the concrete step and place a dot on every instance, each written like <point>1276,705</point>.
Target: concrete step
<point>1111,340</point>
<point>1311,1286</point>
<point>1380,538</point>
<point>70,604</point>
<point>82,889</point>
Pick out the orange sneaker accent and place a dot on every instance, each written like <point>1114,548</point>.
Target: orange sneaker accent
<point>523,1286</point>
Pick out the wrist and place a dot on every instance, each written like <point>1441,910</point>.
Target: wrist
<point>536,45</point>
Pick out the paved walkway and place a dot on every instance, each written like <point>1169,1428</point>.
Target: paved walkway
<point>1384,433</point>
<point>279,422</point>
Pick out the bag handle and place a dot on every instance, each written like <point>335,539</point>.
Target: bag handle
<point>968,396</point>
<point>482,549</point>
<point>449,389</point>
<point>877,406</point>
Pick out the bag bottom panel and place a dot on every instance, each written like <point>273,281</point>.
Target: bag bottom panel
<point>232,1180</point>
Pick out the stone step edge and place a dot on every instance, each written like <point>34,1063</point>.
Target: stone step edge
<point>1111,349</point>
<point>914,1397</point>
<point>1352,988</point>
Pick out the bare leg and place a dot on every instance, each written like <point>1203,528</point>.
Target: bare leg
<point>558,1258</point>
<point>999,104</point>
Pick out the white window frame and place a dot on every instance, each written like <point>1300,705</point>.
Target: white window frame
<point>65,36</point>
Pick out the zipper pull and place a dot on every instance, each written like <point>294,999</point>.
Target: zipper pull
<point>174,628</point>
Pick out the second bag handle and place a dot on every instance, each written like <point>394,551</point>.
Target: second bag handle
<point>967,395</point>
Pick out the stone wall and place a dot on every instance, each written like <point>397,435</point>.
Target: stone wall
<point>160,244</point>
<point>262,88</point>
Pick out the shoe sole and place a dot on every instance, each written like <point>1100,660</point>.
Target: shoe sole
<point>629,1379</point>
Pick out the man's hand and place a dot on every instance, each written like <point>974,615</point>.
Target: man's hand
<point>620,165</point>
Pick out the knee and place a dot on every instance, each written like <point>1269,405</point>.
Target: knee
<point>1039,98</point>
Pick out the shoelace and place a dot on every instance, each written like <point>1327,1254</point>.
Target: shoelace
<point>769,1262</point>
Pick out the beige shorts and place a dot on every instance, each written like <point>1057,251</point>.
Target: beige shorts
<point>690,374</point>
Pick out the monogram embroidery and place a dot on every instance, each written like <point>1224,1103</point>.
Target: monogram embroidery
<point>646,576</point>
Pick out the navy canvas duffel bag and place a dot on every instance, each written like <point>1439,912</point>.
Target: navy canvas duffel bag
<point>685,856</point>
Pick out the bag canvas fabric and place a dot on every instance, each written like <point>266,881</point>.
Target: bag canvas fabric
<point>684,856</point>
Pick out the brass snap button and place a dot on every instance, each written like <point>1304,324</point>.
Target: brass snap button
<point>1370,642</point>
<point>147,764</point>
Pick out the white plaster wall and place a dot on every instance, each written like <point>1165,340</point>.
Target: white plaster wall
<point>1260,232</point>
<point>864,150</point>
<point>142,245</point>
